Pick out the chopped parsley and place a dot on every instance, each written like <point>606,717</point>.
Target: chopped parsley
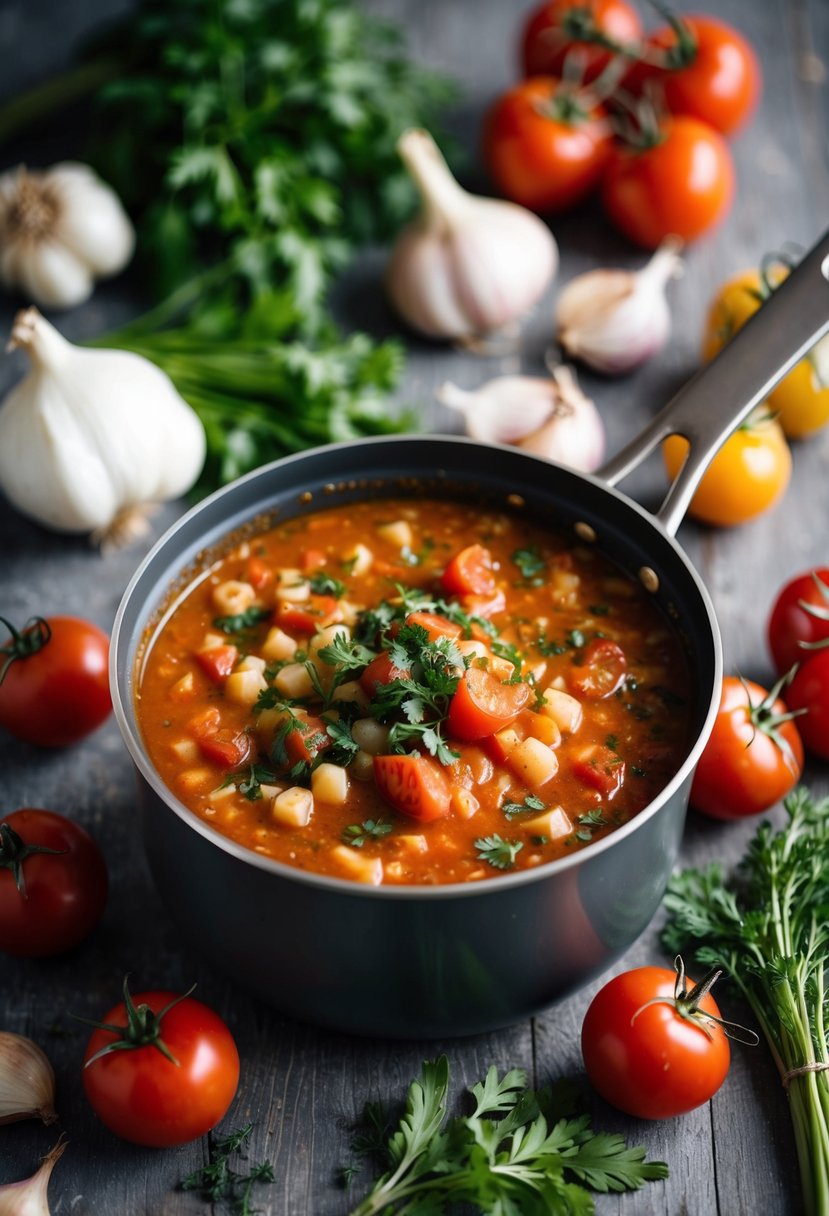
<point>251,785</point>
<point>242,621</point>
<point>588,822</point>
<point>356,834</point>
<point>499,853</point>
<point>325,584</point>
<point>530,803</point>
<point>531,564</point>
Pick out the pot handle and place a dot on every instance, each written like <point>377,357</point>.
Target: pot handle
<point>715,401</point>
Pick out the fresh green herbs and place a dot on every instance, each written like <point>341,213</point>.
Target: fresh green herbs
<point>497,852</point>
<point>251,785</point>
<point>242,621</point>
<point>356,834</point>
<point>531,564</point>
<point>530,803</point>
<point>422,692</point>
<point>768,928</point>
<point>218,1182</point>
<point>588,822</point>
<point>324,584</point>
<point>519,1151</point>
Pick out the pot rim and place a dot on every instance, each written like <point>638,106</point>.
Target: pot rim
<point>127,723</point>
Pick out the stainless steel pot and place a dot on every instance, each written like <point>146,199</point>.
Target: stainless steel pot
<point>461,959</point>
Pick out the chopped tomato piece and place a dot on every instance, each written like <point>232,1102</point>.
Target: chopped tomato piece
<point>470,572</point>
<point>305,742</point>
<point>600,768</point>
<point>308,616</point>
<point>436,626</point>
<point>220,744</point>
<point>482,705</point>
<point>313,559</point>
<point>415,785</point>
<point>601,672</point>
<point>217,661</point>
<point>381,671</point>
<point>484,606</point>
<point>260,575</point>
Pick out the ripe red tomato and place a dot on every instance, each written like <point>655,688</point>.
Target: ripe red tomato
<point>544,147</point>
<point>601,671</point>
<point>53,883</point>
<point>656,1060</point>
<point>753,757</point>
<point>681,185</point>
<point>415,785</point>
<point>55,686</point>
<point>558,27</point>
<point>470,572</point>
<point>143,1095</point>
<point>809,690</point>
<point>800,615</point>
<point>710,72</point>
<point>481,705</point>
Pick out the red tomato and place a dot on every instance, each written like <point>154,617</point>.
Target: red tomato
<point>483,606</point>
<point>55,685</point>
<point>307,740</point>
<point>308,616</point>
<point>435,625</point>
<point>381,671</point>
<point>710,73</point>
<point>141,1094</point>
<point>679,186</point>
<point>809,690</point>
<point>600,768</point>
<point>558,27</point>
<point>470,572</point>
<point>544,148</point>
<point>800,615</point>
<point>658,1060</point>
<point>259,574</point>
<point>602,670</point>
<point>50,900</point>
<point>481,705</point>
<point>219,744</point>
<point>415,785</point>
<point>217,661</point>
<point>753,757</point>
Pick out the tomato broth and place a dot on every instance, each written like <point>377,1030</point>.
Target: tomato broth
<point>407,691</point>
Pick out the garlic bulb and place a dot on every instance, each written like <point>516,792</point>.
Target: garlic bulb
<point>551,418</point>
<point>60,229</point>
<point>613,320</point>
<point>27,1081</point>
<point>89,437</point>
<point>30,1197</point>
<point>467,265</point>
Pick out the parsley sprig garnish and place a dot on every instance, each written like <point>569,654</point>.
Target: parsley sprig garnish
<point>530,803</point>
<point>241,622</point>
<point>531,564</point>
<point>499,853</point>
<point>423,695</point>
<point>356,834</point>
<point>218,1182</point>
<point>519,1151</point>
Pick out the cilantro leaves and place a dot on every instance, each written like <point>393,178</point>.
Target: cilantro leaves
<point>500,853</point>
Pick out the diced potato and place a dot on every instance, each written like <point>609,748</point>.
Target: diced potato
<point>233,597</point>
<point>356,866</point>
<point>564,585</point>
<point>251,662</point>
<point>294,681</point>
<point>294,593</point>
<point>269,792</point>
<point>194,779</point>
<point>186,750</point>
<point>362,767</point>
<point>412,843</point>
<point>371,736</point>
<point>506,741</point>
<point>533,762</point>
<point>464,803</point>
<point>326,636</point>
<point>329,783</point>
<point>469,648</point>
<point>289,576</point>
<point>544,728</point>
<point>217,796</point>
<point>564,710</point>
<point>350,690</point>
<point>553,823</point>
<point>184,688</point>
<point>267,722</point>
<point>293,808</point>
<point>278,645</point>
<point>244,687</point>
<point>398,533</point>
<point>359,559</point>
<point>212,639</point>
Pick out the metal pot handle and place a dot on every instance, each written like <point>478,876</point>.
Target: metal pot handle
<point>716,400</point>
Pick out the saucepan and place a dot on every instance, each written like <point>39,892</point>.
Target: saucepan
<point>406,961</point>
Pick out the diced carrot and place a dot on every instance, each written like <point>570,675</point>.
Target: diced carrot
<point>312,559</point>
<point>260,575</point>
<point>470,572</point>
<point>436,626</point>
<point>217,661</point>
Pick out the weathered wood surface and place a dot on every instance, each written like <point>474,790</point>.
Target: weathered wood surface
<point>303,1087</point>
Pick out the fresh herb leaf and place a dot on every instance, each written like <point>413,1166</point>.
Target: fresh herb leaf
<point>530,803</point>
<point>242,621</point>
<point>345,748</point>
<point>219,1182</point>
<point>548,648</point>
<point>251,785</point>
<point>499,853</point>
<point>356,834</point>
<point>530,563</point>
<point>346,654</point>
<point>326,584</point>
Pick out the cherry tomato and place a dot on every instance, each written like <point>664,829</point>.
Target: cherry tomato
<point>470,572</point>
<point>481,705</point>
<point>54,688</point>
<point>681,185</point>
<point>416,786</point>
<point>800,402</point>
<point>753,757</point>
<point>809,691</point>
<point>53,883</point>
<point>747,476</point>
<point>558,27</point>
<point>142,1094</point>
<point>600,672</point>
<point>545,146</point>
<point>800,615</point>
<point>648,1046</point>
<point>710,73</point>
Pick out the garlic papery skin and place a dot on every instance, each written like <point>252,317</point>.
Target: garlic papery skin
<point>613,320</point>
<point>27,1080</point>
<point>467,266</point>
<point>547,417</point>
<point>30,1197</point>
<point>89,437</point>
<point>60,229</point>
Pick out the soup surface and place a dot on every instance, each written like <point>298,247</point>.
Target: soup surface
<point>405,691</point>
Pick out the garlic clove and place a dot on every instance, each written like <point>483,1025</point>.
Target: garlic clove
<point>93,225</point>
<point>57,277</point>
<point>467,265</point>
<point>31,1197</point>
<point>27,1080</point>
<point>614,320</point>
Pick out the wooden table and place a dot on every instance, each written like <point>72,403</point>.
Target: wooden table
<point>300,1086</point>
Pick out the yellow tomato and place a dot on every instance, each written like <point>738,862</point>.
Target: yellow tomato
<point>746,477</point>
<point>801,401</point>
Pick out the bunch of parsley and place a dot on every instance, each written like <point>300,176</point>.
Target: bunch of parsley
<point>519,1151</point>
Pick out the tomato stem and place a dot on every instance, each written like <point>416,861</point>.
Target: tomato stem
<point>13,852</point>
<point>23,642</point>
<point>764,719</point>
<point>820,612</point>
<point>687,1006</point>
<point>142,1029</point>
<point>684,51</point>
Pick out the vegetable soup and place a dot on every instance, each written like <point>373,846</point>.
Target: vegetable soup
<point>414,692</point>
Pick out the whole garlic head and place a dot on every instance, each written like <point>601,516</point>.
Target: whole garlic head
<point>60,229</point>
